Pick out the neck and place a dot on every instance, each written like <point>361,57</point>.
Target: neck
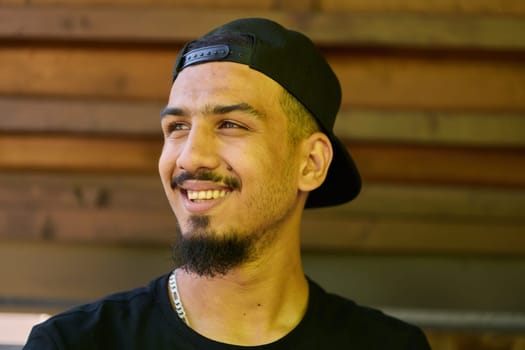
<point>254,304</point>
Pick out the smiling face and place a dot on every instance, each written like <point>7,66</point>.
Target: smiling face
<point>227,166</point>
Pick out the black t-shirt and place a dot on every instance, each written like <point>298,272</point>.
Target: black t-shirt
<point>143,319</point>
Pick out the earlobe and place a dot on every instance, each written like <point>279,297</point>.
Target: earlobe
<point>317,154</point>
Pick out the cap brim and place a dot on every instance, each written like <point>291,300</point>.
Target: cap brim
<point>342,183</point>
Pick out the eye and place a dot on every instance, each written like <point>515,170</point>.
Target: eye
<point>228,124</point>
<point>175,126</point>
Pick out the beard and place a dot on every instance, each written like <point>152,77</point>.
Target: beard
<point>208,254</point>
<point>205,252</point>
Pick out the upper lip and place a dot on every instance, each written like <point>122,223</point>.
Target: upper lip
<point>199,185</point>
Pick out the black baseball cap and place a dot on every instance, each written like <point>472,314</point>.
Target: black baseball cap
<point>292,60</point>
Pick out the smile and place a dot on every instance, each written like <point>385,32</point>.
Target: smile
<point>206,194</point>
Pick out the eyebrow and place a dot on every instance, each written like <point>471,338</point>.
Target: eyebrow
<point>217,109</point>
<point>241,107</point>
<point>172,111</point>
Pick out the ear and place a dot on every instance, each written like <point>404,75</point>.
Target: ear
<point>316,155</point>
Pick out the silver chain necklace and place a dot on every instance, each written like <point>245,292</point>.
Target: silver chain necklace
<point>175,298</point>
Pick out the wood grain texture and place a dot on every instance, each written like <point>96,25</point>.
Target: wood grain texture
<point>165,24</point>
<point>476,129</point>
<point>488,7</point>
<point>492,7</point>
<point>95,117</point>
<point>56,190</point>
<point>386,81</point>
<point>384,219</point>
<point>454,340</point>
<point>407,236</point>
<point>71,153</point>
<point>419,165</point>
<point>431,82</point>
<point>481,129</point>
<point>141,4</point>
<point>107,73</point>
<point>377,162</point>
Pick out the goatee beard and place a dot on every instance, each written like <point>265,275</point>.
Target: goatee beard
<point>207,253</point>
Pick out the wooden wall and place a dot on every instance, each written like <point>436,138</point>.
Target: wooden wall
<point>433,113</point>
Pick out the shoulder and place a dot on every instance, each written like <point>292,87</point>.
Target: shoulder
<point>118,305</point>
<point>114,314</point>
<point>363,326</point>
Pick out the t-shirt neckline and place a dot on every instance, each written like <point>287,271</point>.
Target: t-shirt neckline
<point>295,337</point>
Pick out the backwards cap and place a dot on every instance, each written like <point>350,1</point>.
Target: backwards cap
<point>292,60</point>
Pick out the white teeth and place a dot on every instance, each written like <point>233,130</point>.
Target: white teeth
<point>209,194</point>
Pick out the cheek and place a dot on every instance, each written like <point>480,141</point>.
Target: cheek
<point>261,165</point>
<point>167,161</point>
<point>250,160</point>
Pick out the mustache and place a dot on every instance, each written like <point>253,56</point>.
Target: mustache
<point>205,175</point>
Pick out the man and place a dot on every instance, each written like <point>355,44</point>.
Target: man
<point>248,144</point>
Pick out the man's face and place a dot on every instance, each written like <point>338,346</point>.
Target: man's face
<point>227,166</point>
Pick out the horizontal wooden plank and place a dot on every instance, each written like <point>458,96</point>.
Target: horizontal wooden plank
<point>368,80</point>
<point>184,4</point>
<point>419,165</point>
<point>378,235</point>
<point>511,7</point>
<point>443,340</point>
<point>126,226</point>
<point>386,219</point>
<point>59,191</point>
<point>118,73</point>
<point>56,191</point>
<point>319,233</point>
<point>334,28</point>
<point>28,114</point>
<point>141,118</point>
<point>435,203</point>
<point>96,269</point>
<point>431,82</point>
<point>79,153</point>
<point>45,271</point>
<point>377,163</point>
<point>466,321</point>
<point>432,127</point>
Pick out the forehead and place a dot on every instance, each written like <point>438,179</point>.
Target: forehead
<point>224,83</point>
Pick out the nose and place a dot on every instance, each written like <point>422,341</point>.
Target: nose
<point>199,150</point>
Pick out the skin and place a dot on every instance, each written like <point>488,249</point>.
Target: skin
<point>225,117</point>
